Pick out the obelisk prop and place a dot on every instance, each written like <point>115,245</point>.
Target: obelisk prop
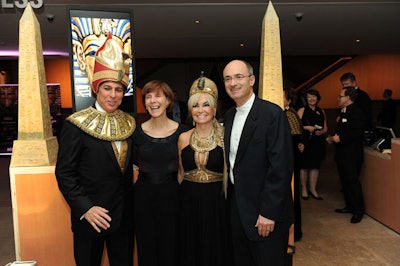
<point>271,82</point>
<point>36,145</point>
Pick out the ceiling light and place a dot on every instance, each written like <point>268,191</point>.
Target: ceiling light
<point>299,16</point>
<point>196,21</point>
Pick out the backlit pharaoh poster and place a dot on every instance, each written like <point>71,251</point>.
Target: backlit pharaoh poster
<point>89,30</point>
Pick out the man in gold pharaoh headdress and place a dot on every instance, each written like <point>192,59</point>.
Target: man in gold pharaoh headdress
<point>88,34</point>
<point>94,165</point>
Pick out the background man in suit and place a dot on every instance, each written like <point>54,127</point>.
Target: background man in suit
<point>94,166</point>
<point>363,102</point>
<point>260,163</point>
<point>179,112</point>
<point>349,152</point>
<point>387,116</point>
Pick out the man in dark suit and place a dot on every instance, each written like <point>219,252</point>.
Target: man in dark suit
<point>387,116</point>
<point>363,100</point>
<point>94,166</point>
<point>259,158</point>
<point>349,153</point>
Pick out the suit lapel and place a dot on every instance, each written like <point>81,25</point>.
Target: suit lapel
<point>111,153</point>
<point>248,131</point>
<point>128,155</point>
<point>228,122</point>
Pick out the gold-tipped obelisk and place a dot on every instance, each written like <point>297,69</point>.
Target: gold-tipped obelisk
<point>36,145</point>
<point>271,81</point>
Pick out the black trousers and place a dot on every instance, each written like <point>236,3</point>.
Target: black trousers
<point>88,250</point>
<point>296,201</point>
<point>271,251</point>
<point>349,173</point>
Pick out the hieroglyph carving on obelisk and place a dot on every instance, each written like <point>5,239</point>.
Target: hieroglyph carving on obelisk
<point>36,145</point>
<point>271,81</point>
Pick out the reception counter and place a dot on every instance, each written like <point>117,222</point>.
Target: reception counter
<point>380,179</point>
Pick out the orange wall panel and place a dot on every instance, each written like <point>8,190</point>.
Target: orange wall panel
<point>58,71</point>
<point>374,73</point>
<point>140,107</point>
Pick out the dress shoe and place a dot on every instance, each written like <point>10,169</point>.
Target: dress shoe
<point>343,210</point>
<point>305,197</point>
<point>356,218</point>
<point>315,197</point>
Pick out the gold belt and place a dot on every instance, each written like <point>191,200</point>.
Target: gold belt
<point>202,176</point>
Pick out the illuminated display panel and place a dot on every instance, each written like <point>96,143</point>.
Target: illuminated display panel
<point>88,31</point>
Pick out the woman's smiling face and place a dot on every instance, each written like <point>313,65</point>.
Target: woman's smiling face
<point>156,103</point>
<point>202,112</point>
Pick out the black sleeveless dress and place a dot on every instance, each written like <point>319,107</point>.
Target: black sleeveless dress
<point>314,146</point>
<point>156,198</point>
<point>203,222</point>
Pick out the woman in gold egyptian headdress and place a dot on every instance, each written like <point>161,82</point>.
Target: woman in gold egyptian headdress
<point>94,166</point>
<point>203,229</point>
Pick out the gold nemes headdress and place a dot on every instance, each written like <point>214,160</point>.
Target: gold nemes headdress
<point>205,85</point>
<point>111,64</point>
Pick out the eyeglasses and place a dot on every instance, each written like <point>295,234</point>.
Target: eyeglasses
<point>237,78</point>
<point>341,96</point>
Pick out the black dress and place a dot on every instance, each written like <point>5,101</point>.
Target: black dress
<point>156,198</point>
<point>203,223</point>
<point>296,130</point>
<point>314,146</point>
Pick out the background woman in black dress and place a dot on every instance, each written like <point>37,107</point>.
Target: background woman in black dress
<point>314,128</point>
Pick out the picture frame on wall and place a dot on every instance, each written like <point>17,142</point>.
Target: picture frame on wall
<point>88,31</point>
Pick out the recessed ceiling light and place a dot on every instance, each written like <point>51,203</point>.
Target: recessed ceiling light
<point>196,21</point>
<point>358,40</point>
<point>242,45</point>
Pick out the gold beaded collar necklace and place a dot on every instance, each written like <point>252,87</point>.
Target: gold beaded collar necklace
<point>202,145</point>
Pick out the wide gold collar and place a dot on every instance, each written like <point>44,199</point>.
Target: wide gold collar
<point>106,126</point>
